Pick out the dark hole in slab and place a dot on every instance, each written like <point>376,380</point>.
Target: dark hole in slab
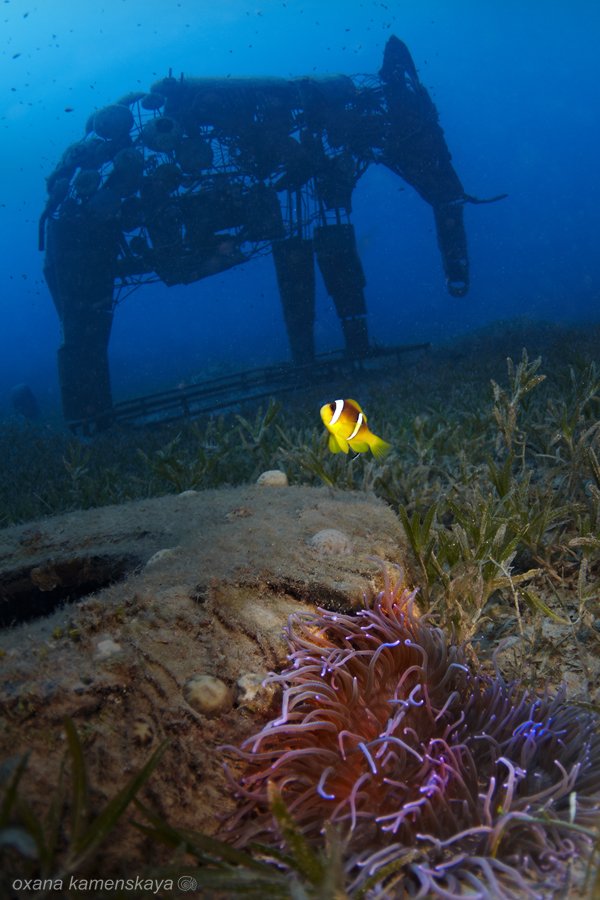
<point>32,592</point>
<point>320,594</point>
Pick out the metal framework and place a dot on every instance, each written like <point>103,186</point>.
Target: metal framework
<point>198,175</point>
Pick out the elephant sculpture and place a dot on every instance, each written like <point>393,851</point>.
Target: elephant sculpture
<point>202,174</point>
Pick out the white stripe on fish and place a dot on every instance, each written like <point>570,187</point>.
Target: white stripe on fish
<point>339,405</point>
<point>359,422</point>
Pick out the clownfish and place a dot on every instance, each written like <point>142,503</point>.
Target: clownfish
<point>347,426</point>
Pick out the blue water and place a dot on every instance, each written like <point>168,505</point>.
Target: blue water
<point>517,89</point>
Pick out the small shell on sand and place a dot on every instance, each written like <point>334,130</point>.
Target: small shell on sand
<point>142,732</point>
<point>208,695</point>
<point>331,542</point>
<point>253,695</point>
<point>273,478</point>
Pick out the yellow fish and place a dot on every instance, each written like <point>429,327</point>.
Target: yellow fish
<point>347,426</point>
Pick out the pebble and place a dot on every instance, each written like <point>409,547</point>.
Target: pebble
<point>208,695</point>
<point>272,478</point>
<point>331,542</point>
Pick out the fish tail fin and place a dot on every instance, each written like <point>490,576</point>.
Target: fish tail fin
<point>379,447</point>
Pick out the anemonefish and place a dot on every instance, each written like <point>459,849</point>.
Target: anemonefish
<point>347,426</point>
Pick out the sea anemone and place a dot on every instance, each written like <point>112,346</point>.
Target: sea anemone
<point>441,782</point>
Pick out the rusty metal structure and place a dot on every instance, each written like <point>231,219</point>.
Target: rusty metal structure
<point>201,174</point>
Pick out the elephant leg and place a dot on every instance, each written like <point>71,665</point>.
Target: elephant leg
<point>294,266</point>
<point>79,270</point>
<point>341,268</point>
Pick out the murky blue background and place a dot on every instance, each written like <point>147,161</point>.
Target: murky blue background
<point>517,90</point>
